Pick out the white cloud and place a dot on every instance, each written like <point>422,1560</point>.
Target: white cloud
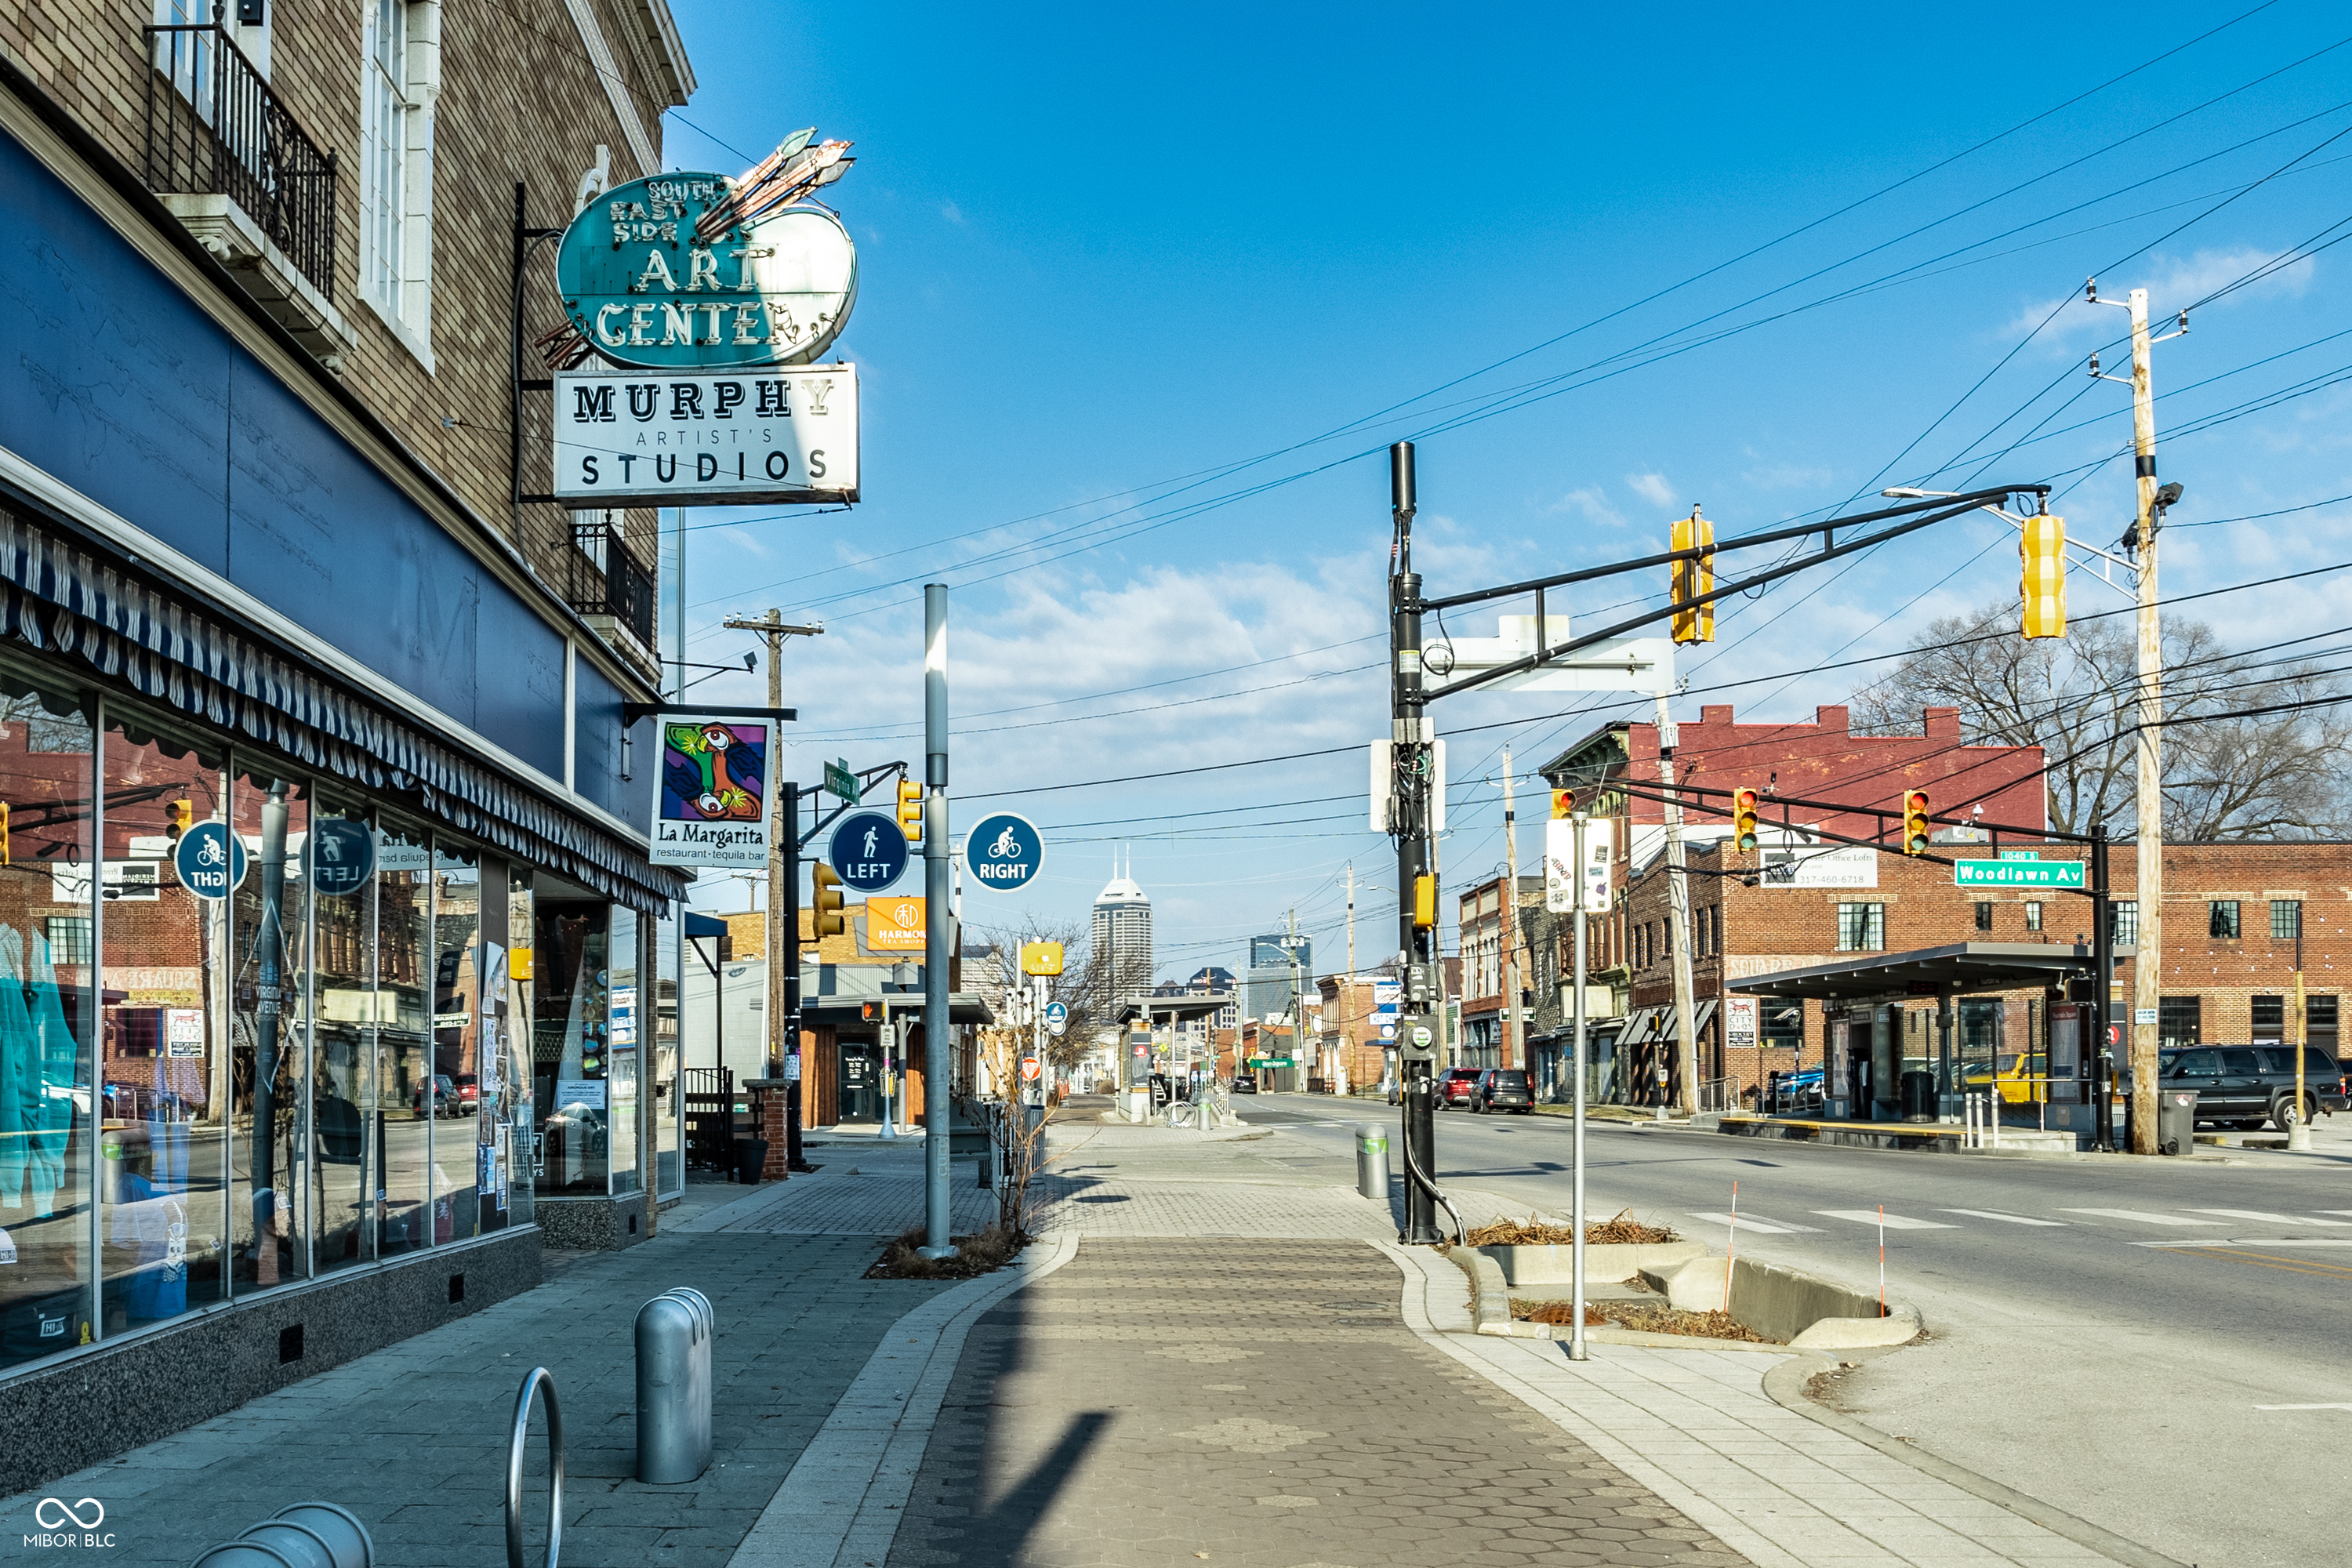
<point>2175,284</point>
<point>953,212</point>
<point>1592,503</point>
<point>1651,487</point>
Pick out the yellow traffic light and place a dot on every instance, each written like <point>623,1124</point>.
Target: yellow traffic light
<point>1425,903</point>
<point>179,816</point>
<point>828,899</point>
<point>1563,805</point>
<point>4,833</point>
<point>2044,551</point>
<point>1915,823</point>
<point>911,810</point>
<point>1692,577</point>
<point>1743,818</point>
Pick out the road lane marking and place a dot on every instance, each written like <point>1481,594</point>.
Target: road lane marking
<point>2303,1406</point>
<point>2140,1217</point>
<point>2308,1266</point>
<point>1770,1227</point>
<point>2270,1218</point>
<point>2007,1218</point>
<point>1891,1221</point>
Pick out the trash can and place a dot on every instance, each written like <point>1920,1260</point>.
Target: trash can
<point>1918,1097</point>
<point>1373,1162</point>
<point>750,1159</point>
<point>674,1387</point>
<point>2176,1121</point>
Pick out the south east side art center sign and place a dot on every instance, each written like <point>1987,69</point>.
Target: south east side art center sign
<point>707,311</point>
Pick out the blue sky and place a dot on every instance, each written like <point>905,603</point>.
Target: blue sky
<point>1142,296</point>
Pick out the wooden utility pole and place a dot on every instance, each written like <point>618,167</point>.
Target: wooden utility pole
<point>783,949</point>
<point>1678,925</point>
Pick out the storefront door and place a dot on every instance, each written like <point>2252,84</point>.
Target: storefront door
<point>861,1081</point>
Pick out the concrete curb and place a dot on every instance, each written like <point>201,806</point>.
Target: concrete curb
<point>1785,1383</point>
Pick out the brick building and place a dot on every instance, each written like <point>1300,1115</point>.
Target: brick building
<point>1484,1039</point>
<point>2242,919</point>
<point>1824,760</point>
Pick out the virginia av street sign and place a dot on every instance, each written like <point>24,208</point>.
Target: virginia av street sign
<point>2016,873</point>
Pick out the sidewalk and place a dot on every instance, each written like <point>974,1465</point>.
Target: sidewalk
<point>1215,1352</point>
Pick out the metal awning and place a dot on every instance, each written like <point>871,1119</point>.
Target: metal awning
<point>1956,970</point>
<point>1190,1006</point>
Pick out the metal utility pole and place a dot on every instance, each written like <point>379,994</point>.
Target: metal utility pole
<point>783,1000</point>
<point>2147,967</point>
<point>1409,749</point>
<point>935,1027</point>
<point>1678,929</point>
<point>1514,1031</point>
<point>1576,1346</point>
<point>1298,1001</point>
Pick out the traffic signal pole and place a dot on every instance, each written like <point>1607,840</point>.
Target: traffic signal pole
<point>1409,818</point>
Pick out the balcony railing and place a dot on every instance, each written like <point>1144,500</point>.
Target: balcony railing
<point>607,579</point>
<point>214,128</point>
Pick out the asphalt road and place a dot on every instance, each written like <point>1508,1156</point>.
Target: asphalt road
<point>2111,1335</point>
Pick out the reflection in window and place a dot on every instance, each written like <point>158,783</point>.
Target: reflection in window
<point>342,963</point>
<point>405,1095</point>
<point>2221,919</point>
<point>668,1104</point>
<point>164,1071</point>
<point>44,1014</point>
<point>465,1142</point>
<point>520,1090</point>
<point>624,1034</point>
<point>269,913</point>
<point>571,1067</point>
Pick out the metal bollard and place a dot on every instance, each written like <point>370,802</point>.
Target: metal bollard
<point>1372,1161</point>
<point>674,1387</point>
<point>306,1535</point>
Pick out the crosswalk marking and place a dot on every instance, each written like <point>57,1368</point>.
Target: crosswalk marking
<point>2007,1218</point>
<point>1892,1221</point>
<point>1770,1227</point>
<point>2268,1218</point>
<point>2140,1217</point>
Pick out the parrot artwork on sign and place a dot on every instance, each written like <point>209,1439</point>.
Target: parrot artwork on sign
<point>713,802</point>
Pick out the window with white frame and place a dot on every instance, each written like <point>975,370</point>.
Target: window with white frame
<point>400,79</point>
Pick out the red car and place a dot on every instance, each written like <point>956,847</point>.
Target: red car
<point>1458,1088</point>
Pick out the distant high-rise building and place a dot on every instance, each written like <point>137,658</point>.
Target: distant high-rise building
<point>1122,935</point>
<point>1267,993</point>
<point>1212,982</point>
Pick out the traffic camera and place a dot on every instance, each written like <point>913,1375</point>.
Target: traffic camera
<point>1744,802</point>
<point>911,810</point>
<point>827,900</point>
<point>2042,549</point>
<point>1915,823</point>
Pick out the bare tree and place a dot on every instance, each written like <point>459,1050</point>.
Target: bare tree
<point>2274,776</point>
<point>1083,986</point>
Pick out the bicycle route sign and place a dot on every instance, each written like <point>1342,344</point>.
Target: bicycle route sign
<point>210,860</point>
<point>1003,851</point>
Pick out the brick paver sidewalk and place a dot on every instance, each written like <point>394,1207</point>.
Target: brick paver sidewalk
<point>1255,1403</point>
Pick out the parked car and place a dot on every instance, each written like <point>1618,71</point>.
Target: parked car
<point>1794,1093</point>
<point>2245,1086</point>
<point>469,1093</point>
<point>1504,1089</point>
<point>1244,1083</point>
<point>1456,1086</point>
<point>444,1091</point>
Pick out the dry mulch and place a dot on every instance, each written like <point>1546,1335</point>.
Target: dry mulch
<point>1654,1319</point>
<point>983,1253</point>
<point>1534,1232</point>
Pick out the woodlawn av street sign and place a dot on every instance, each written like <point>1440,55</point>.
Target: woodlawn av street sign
<point>2016,873</point>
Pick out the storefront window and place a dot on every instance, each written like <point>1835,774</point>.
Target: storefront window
<point>623,1005</point>
<point>268,916</point>
<point>407,1098</point>
<point>342,963</point>
<point>518,1082</point>
<point>163,1078</point>
<point>45,892</point>
<point>572,1069</point>
<point>465,1142</point>
<point>668,1104</point>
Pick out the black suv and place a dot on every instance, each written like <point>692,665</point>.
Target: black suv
<point>1504,1089</point>
<point>2245,1086</point>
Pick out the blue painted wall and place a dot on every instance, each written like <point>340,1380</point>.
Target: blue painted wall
<point>124,389</point>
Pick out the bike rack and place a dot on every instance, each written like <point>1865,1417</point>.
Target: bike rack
<point>542,1382</point>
